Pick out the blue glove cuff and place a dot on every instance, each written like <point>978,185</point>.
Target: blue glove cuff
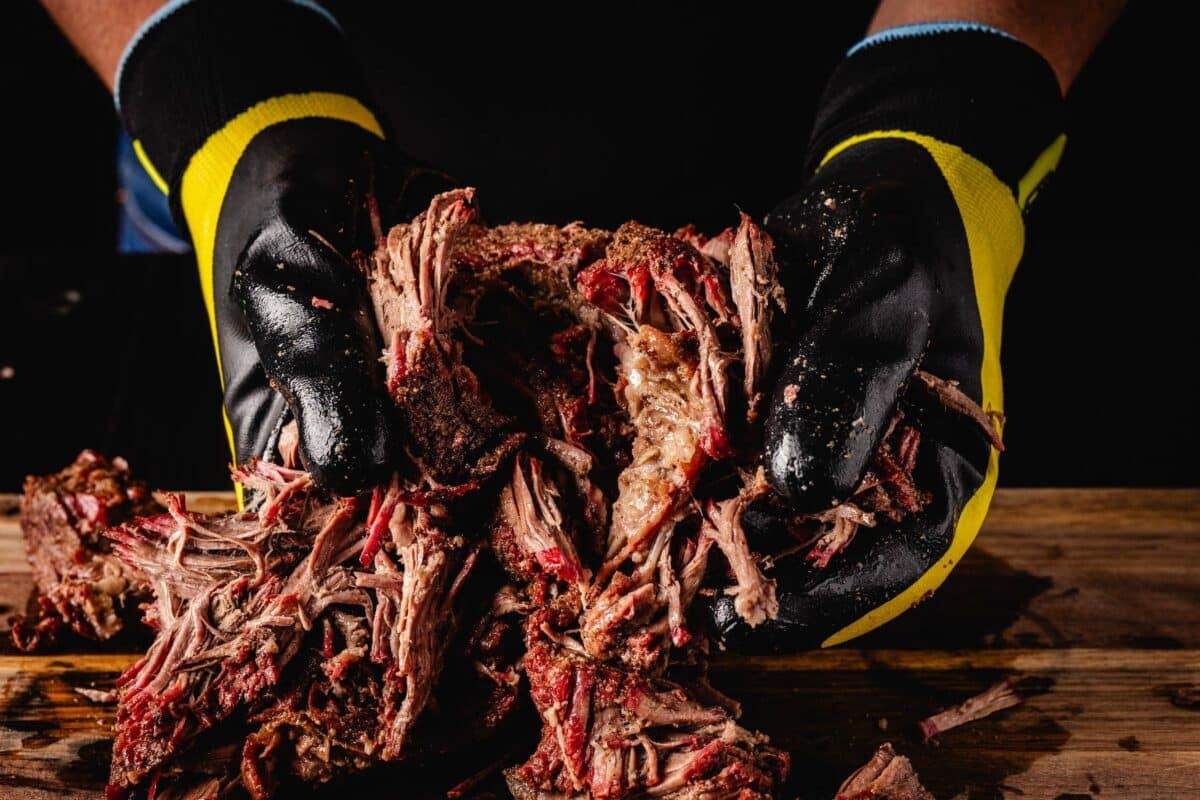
<point>918,29</point>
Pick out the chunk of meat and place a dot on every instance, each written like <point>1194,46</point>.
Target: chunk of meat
<point>756,292</point>
<point>452,428</point>
<point>610,734</point>
<point>321,721</point>
<point>227,645</point>
<point>80,584</point>
<point>663,301</point>
<point>529,534</point>
<point>753,593</point>
<point>886,776</point>
<point>413,623</point>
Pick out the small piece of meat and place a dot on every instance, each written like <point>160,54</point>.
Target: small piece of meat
<point>953,399</point>
<point>321,723</point>
<point>997,698</point>
<point>529,534</point>
<point>886,776</point>
<point>452,428</point>
<point>289,445</point>
<point>81,584</point>
<point>101,696</point>
<point>715,248</point>
<point>756,290</point>
<point>753,593</point>
<point>580,463</point>
<point>887,489</point>
<point>839,526</point>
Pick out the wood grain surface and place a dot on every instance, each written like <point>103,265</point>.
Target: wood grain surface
<point>1090,599</point>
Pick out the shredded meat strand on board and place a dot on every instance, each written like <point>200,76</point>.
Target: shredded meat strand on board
<point>580,416</point>
<point>998,697</point>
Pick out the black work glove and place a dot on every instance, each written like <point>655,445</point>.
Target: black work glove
<point>897,256</point>
<point>250,116</point>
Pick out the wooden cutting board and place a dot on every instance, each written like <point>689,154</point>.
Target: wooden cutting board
<point>1091,598</point>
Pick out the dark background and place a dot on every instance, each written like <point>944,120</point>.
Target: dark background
<point>113,353</point>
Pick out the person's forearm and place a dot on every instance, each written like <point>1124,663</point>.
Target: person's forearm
<point>1064,32</point>
<point>100,30</point>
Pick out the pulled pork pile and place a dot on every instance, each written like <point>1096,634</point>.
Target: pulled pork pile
<point>545,537</point>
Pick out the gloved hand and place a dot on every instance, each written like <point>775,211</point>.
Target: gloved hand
<point>927,149</point>
<point>250,117</point>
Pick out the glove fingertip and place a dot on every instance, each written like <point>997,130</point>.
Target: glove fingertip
<point>346,445</point>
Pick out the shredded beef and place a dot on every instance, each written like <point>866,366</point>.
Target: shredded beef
<point>580,409</point>
<point>609,733</point>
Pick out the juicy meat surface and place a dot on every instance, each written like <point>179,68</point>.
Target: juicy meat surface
<point>80,584</point>
<point>663,302</point>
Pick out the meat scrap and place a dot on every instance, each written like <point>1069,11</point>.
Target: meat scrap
<point>998,697</point>
<point>756,289</point>
<point>753,592</point>
<point>80,584</point>
<point>886,776</point>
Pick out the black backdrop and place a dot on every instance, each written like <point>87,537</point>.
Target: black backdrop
<point>113,353</point>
